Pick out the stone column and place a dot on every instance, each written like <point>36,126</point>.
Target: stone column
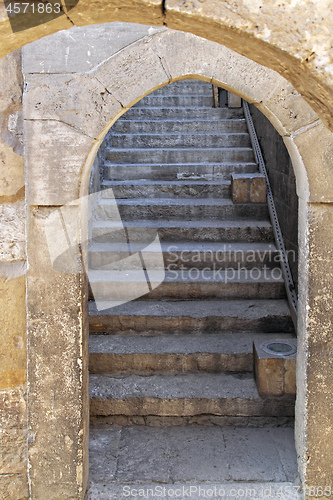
<point>58,401</point>
<point>314,406</point>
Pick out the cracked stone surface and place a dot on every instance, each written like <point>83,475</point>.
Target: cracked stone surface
<point>125,459</point>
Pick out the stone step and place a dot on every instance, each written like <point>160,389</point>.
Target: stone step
<point>177,171</point>
<point>119,285</point>
<point>185,140</point>
<point>191,317</point>
<point>183,395</point>
<point>179,155</point>
<point>200,89</point>
<point>179,126</point>
<point>200,113</point>
<point>186,101</point>
<point>145,231</point>
<point>175,354</point>
<point>189,255</point>
<point>175,208</point>
<point>163,189</point>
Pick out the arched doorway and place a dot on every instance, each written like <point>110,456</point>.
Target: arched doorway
<point>50,185</point>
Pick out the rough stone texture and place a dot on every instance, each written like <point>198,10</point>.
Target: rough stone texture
<point>253,30</point>
<point>64,150</point>
<point>185,45</point>
<point>275,375</point>
<point>58,405</point>
<point>13,333</point>
<point>282,180</point>
<point>13,353</point>
<point>316,148</point>
<point>59,97</point>
<point>180,454</point>
<point>13,444</point>
<point>248,188</point>
<point>12,232</point>
<point>14,487</point>
<point>78,50</point>
<point>206,420</point>
<point>131,74</point>
<point>316,383</point>
<point>136,11</point>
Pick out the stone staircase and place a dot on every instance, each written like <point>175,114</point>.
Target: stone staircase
<point>181,352</point>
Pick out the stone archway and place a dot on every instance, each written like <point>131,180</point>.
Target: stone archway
<point>61,144</point>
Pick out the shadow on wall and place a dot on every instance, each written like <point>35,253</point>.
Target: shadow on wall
<point>283,184</point>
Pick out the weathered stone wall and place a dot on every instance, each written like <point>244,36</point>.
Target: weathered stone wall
<point>67,116</point>
<point>13,353</point>
<point>283,184</point>
<point>292,38</point>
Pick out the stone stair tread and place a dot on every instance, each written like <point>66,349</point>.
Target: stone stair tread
<point>100,223</point>
<point>183,121</point>
<point>180,148</point>
<point>223,342</point>
<point>185,276</point>
<point>172,202</point>
<point>177,182</point>
<point>191,386</point>
<point>234,164</point>
<point>190,246</point>
<point>245,308</point>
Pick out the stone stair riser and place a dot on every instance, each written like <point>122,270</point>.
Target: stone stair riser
<point>173,172</point>
<point>176,101</point>
<point>190,407</point>
<point>173,259</point>
<point>167,190</point>
<point>180,155</point>
<point>187,325</point>
<point>179,127</point>
<point>182,113</point>
<point>118,290</point>
<point>172,363</point>
<point>231,140</point>
<point>186,234</point>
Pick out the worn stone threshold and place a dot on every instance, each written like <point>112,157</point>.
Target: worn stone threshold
<point>192,462</point>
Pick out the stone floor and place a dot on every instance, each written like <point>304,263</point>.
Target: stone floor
<point>192,462</point>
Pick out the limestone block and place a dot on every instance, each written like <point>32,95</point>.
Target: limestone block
<point>247,188</point>
<point>13,408</point>
<point>287,109</point>
<point>275,375</point>
<point>315,147</point>
<point>176,50</point>
<point>97,12</point>
<point>129,74</point>
<point>58,396</point>
<point>59,150</point>
<point>14,487</point>
<point>13,368</point>
<point>12,232</point>
<point>314,371</point>
<point>234,101</point>
<point>79,101</point>
<point>79,50</point>
<point>11,171</point>
<point>252,81</point>
<point>13,451</point>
